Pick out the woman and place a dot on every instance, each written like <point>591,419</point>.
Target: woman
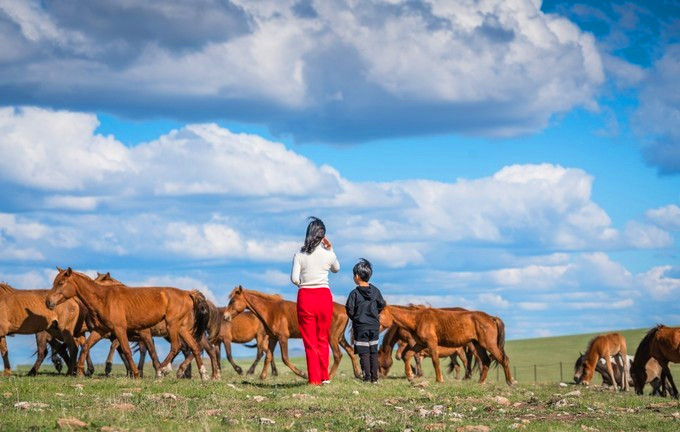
<point>314,301</point>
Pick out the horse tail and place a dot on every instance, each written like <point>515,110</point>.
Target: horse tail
<point>214,323</point>
<point>500,339</point>
<point>201,314</point>
<point>251,345</point>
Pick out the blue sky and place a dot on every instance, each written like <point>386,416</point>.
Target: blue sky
<point>508,156</point>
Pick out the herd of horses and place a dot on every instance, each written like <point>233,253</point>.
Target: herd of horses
<point>79,311</point>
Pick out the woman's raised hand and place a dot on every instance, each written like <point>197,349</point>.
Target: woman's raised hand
<point>326,243</point>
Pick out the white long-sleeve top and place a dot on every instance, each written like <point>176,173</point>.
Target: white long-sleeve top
<point>311,270</point>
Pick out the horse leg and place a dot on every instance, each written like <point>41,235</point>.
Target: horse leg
<point>173,336</point>
<point>352,355</point>
<point>268,358</point>
<point>121,335</point>
<point>610,371</point>
<point>57,348</point>
<point>485,361</point>
<point>92,339</point>
<point>121,354</point>
<point>196,350</point>
<point>5,357</point>
<point>337,355</point>
<point>72,347</point>
<point>260,351</point>
<point>284,356</point>
<point>147,342</point>
<point>666,375</point>
<point>501,358</point>
<point>230,359</point>
<point>623,356</point>
<point>109,358</point>
<point>41,353</point>
<point>464,360</point>
<point>183,370</point>
<point>434,352</point>
<point>275,372</point>
<point>214,364</point>
<point>454,364</point>
<point>418,369</point>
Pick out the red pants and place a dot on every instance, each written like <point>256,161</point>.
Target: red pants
<point>314,313</point>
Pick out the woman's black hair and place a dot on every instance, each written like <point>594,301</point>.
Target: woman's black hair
<point>316,231</point>
<point>363,269</point>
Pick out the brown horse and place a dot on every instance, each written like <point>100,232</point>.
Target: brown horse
<point>603,347</point>
<point>432,328</point>
<point>119,309</point>
<point>145,340</point>
<point>24,312</point>
<point>243,328</point>
<point>279,318</point>
<point>662,344</point>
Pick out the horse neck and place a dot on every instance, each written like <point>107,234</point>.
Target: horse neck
<point>259,306</point>
<point>403,317</point>
<point>88,293</point>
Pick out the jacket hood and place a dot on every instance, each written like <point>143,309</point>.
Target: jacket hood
<point>368,292</point>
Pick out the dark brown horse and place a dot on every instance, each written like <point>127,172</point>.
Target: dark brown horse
<point>119,309</point>
<point>24,312</point>
<point>607,346</point>
<point>241,329</point>
<point>662,344</point>
<point>279,318</point>
<point>42,340</point>
<point>432,328</point>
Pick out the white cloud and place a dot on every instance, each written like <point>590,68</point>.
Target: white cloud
<point>533,306</point>
<point>661,282</point>
<point>644,236</point>
<point>667,217</point>
<point>495,67</point>
<point>658,113</point>
<point>494,300</point>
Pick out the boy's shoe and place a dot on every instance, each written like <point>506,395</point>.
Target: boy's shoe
<point>325,382</point>
<point>375,382</point>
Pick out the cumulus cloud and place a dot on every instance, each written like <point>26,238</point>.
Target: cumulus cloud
<point>658,114</point>
<point>495,68</point>
<point>667,217</point>
<point>661,282</point>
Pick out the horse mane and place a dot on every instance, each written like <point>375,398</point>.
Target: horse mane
<point>270,297</point>
<point>590,344</point>
<point>647,340</point>
<point>6,287</point>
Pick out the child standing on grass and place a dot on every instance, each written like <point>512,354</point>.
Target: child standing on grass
<point>364,305</point>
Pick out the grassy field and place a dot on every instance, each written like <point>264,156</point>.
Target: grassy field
<point>286,403</point>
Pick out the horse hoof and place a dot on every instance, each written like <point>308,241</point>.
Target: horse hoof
<point>32,373</point>
<point>108,368</point>
<point>204,373</point>
<point>275,373</point>
<point>6,373</point>
<point>166,369</point>
<point>239,371</point>
<point>159,374</point>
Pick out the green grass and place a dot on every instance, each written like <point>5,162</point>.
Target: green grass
<point>346,404</point>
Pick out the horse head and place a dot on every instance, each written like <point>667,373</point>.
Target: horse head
<point>237,303</point>
<point>579,367</point>
<point>63,288</point>
<point>106,279</point>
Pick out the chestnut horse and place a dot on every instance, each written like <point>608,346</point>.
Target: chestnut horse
<point>119,309</point>
<point>433,328</point>
<point>603,347</point>
<point>662,344</point>
<point>243,328</point>
<point>653,373</point>
<point>24,312</point>
<point>144,338</point>
<point>279,318</point>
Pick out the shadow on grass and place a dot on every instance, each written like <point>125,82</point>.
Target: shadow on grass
<point>260,384</point>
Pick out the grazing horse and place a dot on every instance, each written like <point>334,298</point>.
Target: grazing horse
<point>662,344</point>
<point>432,328</point>
<point>652,367</point>
<point>119,309</point>
<point>279,318</point>
<point>243,328</point>
<point>24,312</point>
<point>603,347</point>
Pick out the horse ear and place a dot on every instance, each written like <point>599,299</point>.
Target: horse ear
<point>239,289</point>
<point>99,275</point>
<point>59,269</point>
<point>107,275</point>
<point>69,271</point>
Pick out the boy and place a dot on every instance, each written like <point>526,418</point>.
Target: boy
<point>364,305</point>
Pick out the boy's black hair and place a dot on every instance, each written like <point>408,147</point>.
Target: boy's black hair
<point>363,269</point>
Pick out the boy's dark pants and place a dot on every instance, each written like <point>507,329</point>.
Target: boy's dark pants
<point>366,346</point>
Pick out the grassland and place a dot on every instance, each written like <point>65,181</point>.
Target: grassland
<point>286,403</point>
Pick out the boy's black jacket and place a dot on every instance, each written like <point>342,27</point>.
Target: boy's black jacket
<point>363,307</point>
